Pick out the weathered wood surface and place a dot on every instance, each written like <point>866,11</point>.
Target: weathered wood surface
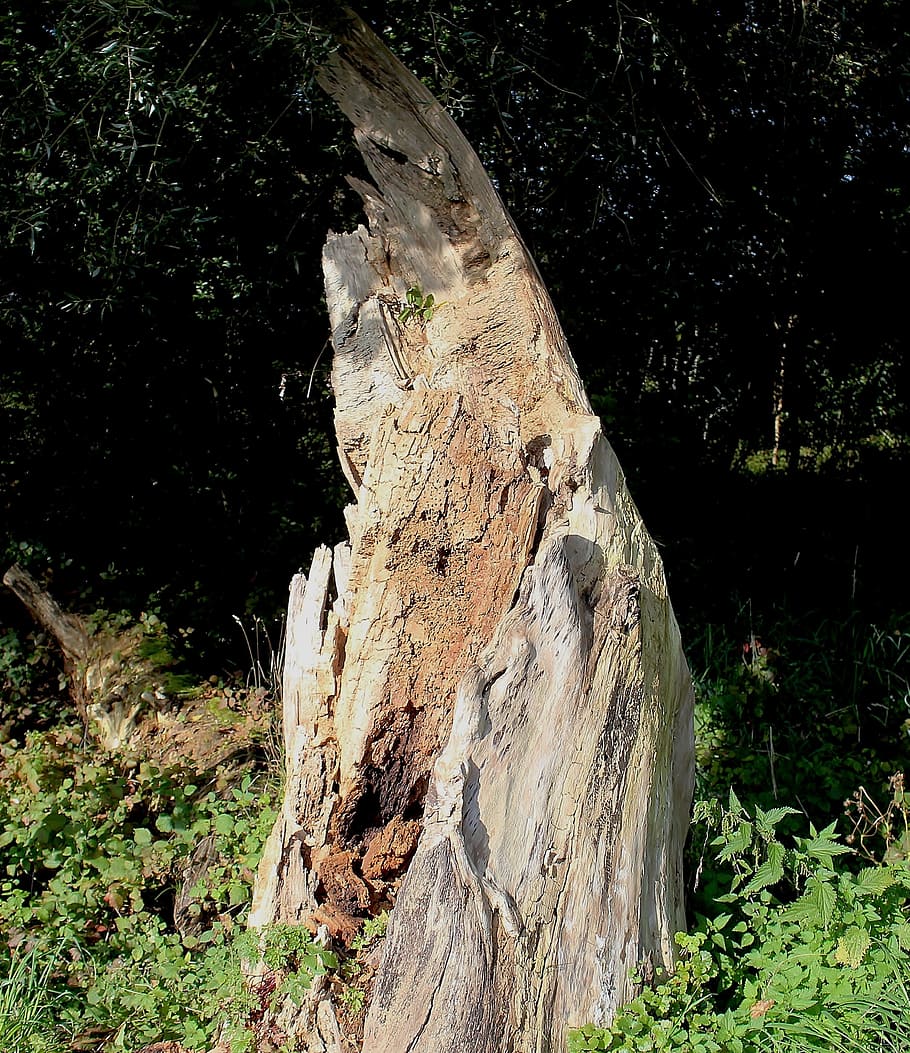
<point>487,682</point>
<point>66,629</point>
<point>108,679</point>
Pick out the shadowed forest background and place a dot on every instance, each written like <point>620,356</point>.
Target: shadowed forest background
<point>718,198</point>
<point>718,202</point>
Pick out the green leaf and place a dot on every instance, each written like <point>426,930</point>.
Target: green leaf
<point>223,824</point>
<point>238,894</point>
<point>117,869</point>
<point>766,821</point>
<point>816,907</point>
<point>873,881</point>
<point>902,932</point>
<point>737,842</point>
<point>823,898</point>
<point>852,946</point>
<point>824,846</point>
<point>770,872</point>
<point>142,836</point>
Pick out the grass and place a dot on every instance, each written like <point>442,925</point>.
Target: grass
<point>28,1002</point>
<point>861,1025</point>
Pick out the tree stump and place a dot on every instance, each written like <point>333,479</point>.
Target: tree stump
<point>487,711</point>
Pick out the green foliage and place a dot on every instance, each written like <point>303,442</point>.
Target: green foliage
<point>151,235</point>
<point>373,929</point>
<point>800,955</point>
<point>802,711</point>
<point>352,993</point>
<point>735,152</point>
<point>731,193</point>
<point>28,1003</point>
<point>292,952</point>
<point>160,989</point>
<point>146,648</point>
<point>91,856</point>
<point>28,669</point>
<point>673,1015</point>
<point>32,684</point>
<point>724,192</point>
<point>419,307</point>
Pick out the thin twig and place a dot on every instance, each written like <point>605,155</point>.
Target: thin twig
<point>309,386</point>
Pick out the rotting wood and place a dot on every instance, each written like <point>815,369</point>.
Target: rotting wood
<point>66,629</point>
<point>109,680</point>
<point>485,689</point>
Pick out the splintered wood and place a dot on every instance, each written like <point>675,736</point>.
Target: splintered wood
<point>487,713</point>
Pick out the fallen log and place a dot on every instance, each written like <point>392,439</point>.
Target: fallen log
<point>110,680</point>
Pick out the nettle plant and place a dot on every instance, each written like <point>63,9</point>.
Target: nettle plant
<point>801,955</point>
<point>93,856</point>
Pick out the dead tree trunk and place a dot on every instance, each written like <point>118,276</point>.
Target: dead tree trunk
<point>485,692</point>
<point>109,678</point>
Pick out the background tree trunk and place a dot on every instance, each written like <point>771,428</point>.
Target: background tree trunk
<point>487,712</point>
<point>110,680</point>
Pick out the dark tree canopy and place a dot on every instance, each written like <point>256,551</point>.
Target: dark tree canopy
<point>165,167</point>
<point>716,196</point>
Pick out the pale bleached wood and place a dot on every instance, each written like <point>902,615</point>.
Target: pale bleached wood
<point>309,676</point>
<point>506,665</point>
<point>285,886</point>
<point>538,878</point>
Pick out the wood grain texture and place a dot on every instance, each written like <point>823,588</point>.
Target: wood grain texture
<point>485,687</point>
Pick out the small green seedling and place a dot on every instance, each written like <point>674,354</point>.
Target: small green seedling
<point>419,306</point>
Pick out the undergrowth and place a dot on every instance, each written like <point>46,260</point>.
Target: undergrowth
<point>798,954</point>
<point>801,711</point>
<point>29,1004</point>
<point>95,851</point>
<point>125,884</point>
<point>798,942</point>
<point>114,936</point>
